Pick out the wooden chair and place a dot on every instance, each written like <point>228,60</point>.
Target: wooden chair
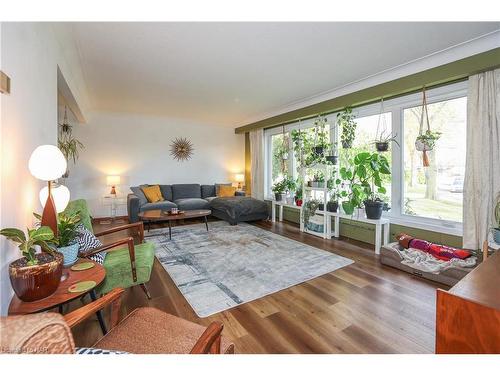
<point>144,331</point>
<point>125,266</point>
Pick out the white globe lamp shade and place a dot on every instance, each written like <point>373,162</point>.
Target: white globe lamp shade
<point>47,163</point>
<point>60,195</point>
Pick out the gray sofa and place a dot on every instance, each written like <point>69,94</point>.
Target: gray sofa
<point>196,197</point>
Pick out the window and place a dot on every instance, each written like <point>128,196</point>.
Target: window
<point>436,191</point>
<point>429,198</point>
<point>366,133</point>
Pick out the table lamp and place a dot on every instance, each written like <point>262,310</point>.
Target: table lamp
<point>47,163</point>
<point>60,195</point>
<point>113,181</point>
<point>239,178</point>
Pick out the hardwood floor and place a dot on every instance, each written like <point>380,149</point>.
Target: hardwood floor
<point>362,308</point>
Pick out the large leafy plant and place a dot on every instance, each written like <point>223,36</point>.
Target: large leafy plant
<point>364,179</point>
<point>42,236</point>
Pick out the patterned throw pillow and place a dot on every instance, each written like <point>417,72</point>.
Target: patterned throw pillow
<point>97,351</point>
<point>87,241</point>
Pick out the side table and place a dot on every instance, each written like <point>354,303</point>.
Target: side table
<point>62,296</point>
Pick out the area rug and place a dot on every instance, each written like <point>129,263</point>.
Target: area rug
<point>231,265</point>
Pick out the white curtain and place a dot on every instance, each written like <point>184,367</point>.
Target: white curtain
<point>482,169</point>
<point>257,163</point>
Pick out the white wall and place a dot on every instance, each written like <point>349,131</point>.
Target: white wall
<point>30,55</point>
<point>137,147</point>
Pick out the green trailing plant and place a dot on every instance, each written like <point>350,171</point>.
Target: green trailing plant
<point>42,236</point>
<point>309,209</point>
<point>69,145</point>
<point>346,121</point>
<point>429,138</point>
<point>321,139</point>
<point>364,179</point>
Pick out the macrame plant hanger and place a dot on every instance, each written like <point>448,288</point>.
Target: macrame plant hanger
<point>284,156</point>
<point>419,145</point>
<point>378,136</point>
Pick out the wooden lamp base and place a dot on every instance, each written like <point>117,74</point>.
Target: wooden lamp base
<point>49,215</point>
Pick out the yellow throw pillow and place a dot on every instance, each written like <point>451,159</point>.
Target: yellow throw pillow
<point>226,191</point>
<point>153,193</point>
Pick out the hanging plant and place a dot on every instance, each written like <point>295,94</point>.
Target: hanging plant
<point>425,141</point>
<point>321,141</point>
<point>346,121</point>
<point>383,136</point>
<point>68,144</point>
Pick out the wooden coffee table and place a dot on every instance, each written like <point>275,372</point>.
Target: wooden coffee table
<point>160,215</point>
<point>62,296</point>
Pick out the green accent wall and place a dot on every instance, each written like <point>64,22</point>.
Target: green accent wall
<point>443,74</point>
<point>366,232</point>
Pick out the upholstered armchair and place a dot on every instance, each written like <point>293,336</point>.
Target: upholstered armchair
<point>127,264</point>
<point>144,331</point>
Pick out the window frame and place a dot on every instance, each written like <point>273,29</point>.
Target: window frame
<point>396,106</point>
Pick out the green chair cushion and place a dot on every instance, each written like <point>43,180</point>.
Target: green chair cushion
<point>119,271</point>
<point>80,205</point>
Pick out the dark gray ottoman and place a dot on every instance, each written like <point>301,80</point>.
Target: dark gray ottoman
<point>237,209</point>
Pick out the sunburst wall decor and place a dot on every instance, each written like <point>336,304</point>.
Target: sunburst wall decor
<point>181,149</point>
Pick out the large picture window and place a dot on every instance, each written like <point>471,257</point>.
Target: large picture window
<point>436,191</point>
<point>426,197</point>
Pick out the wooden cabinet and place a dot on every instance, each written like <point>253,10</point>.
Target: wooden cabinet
<point>468,315</point>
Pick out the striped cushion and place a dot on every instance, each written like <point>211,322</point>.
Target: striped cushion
<point>97,351</point>
<point>87,241</point>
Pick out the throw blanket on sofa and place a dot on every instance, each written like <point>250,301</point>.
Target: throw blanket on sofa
<point>235,207</point>
<point>423,261</point>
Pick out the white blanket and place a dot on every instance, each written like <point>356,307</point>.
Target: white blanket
<point>422,261</point>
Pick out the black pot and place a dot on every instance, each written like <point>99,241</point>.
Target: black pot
<point>319,150</point>
<point>332,159</point>
<point>373,209</point>
<point>321,206</point>
<point>332,206</point>
<point>278,197</point>
<point>382,146</point>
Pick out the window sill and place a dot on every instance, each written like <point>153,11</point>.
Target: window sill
<point>454,230</point>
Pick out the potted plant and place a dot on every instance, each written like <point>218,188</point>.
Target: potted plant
<point>298,196</point>
<point>317,181</point>
<point>309,210</point>
<point>279,189</point>
<point>382,142</point>
<point>364,178</point>
<point>35,275</point>
<point>333,186</point>
<point>427,140</point>
<point>68,144</point>
<point>345,120</point>
<point>67,233</point>
<point>320,136</point>
<point>496,230</point>
<point>332,158</point>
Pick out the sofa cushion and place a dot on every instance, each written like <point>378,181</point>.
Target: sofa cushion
<point>163,205</point>
<point>153,194</point>
<point>119,270</point>
<point>181,191</point>
<point>207,191</point>
<point>166,191</point>
<point>191,204</point>
<point>209,199</point>
<point>137,190</point>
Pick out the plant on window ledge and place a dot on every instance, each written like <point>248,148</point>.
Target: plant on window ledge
<point>318,180</point>
<point>346,121</point>
<point>364,178</point>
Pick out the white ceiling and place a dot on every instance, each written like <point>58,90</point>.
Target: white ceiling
<point>227,73</point>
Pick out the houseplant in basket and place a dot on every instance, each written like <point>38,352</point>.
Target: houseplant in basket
<point>365,179</point>
<point>35,275</point>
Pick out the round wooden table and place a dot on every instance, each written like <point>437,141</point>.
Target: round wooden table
<point>62,296</point>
